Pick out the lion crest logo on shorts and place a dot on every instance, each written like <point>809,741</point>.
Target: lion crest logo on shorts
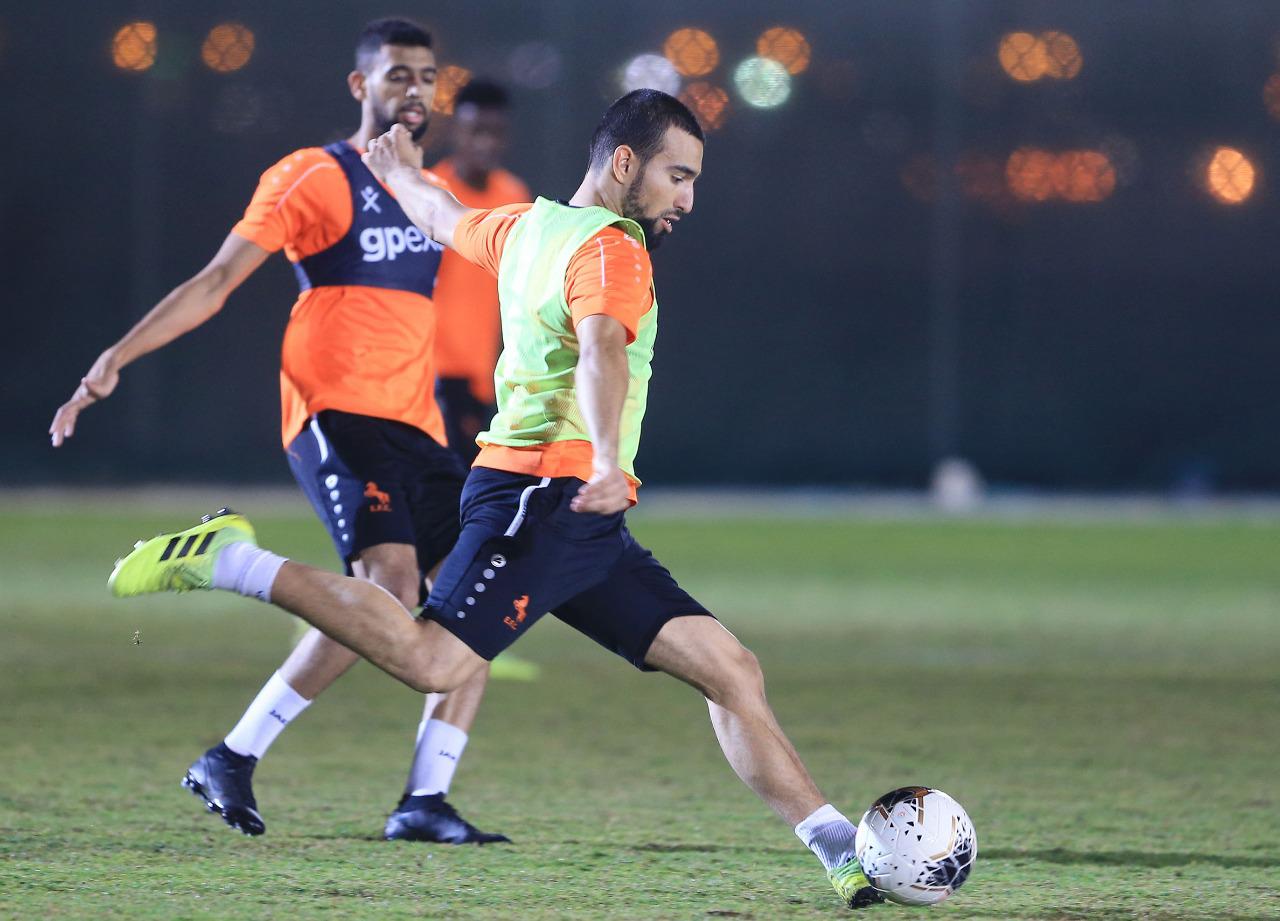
<point>381,500</point>
<point>521,606</point>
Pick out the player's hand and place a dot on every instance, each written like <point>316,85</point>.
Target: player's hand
<point>94,386</point>
<point>606,493</point>
<point>392,151</point>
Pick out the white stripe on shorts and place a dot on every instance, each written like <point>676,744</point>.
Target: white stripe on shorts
<point>524,506</point>
<point>320,442</point>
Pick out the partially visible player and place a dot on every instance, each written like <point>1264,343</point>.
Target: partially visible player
<point>360,426</point>
<point>543,509</point>
<point>467,328</point>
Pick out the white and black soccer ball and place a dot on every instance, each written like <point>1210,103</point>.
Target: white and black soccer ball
<point>916,845</point>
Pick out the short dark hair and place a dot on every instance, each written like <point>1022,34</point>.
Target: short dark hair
<point>640,120</point>
<point>388,32</point>
<point>483,94</point>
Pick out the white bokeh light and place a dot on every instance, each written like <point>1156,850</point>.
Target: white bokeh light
<point>762,82</point>
<point>650,71</point>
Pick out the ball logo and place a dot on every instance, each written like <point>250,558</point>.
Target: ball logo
<point>386,243</point>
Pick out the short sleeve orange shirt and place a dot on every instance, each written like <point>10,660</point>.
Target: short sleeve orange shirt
<point>353,348</point>
<point>610,274</point>
<point>468,329</point>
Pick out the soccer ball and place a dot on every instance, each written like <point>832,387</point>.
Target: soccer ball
<point>916,845</point>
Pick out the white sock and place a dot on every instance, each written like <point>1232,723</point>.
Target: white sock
<point>275,707</point>
<point>435,757</point>
<point>827,833</point>
<point>241,567</point>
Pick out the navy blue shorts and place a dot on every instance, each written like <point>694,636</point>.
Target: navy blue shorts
<point>523,552</point>
<point>377,481</point>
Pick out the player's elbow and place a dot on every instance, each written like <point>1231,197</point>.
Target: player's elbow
<point>210,289</point>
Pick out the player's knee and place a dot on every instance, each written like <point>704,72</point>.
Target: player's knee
<point>430,674</point>
<point>738,675</point>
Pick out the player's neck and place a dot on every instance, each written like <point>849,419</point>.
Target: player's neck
<point>590,194</point>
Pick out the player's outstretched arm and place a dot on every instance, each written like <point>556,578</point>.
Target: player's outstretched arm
<point>182,310</point>
<point>397,162</point>
<point>602,378</point>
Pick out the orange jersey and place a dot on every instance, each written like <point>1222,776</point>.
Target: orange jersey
<point>355,348</point>
<point>608,275</point>
<point>468,329</point>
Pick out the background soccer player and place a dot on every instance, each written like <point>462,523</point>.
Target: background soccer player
<point>363,435</point>
<point>466,298</point>
<point>543,507</point>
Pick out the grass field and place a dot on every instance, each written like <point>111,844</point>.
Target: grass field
<point>1103,697</point>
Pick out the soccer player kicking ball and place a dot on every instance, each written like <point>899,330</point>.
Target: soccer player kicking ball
<point>542,510</point>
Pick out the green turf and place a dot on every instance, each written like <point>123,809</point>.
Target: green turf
<point>1102,697</point>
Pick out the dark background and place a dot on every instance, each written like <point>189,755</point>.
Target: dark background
<point>821,323</point>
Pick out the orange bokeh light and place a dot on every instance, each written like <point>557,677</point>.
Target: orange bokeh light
<point>1023,56</point>
<point>1230,176</point>
<point>693,52</point>
<point>1026,57</point>
<point>1271,96</point>
<point>1036,175</point>
<point>1062,55</point>
<point>134,46</point>
<point>1030,174</point>
<point>227,47</point>
<point>786,46</point>
<point>1084,176</point>
<point>450,79</point>
<point>708,102</point>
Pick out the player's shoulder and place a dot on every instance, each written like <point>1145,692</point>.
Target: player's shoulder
<point>506,213</point>
<point>614,236</point>
<point>300,164</point>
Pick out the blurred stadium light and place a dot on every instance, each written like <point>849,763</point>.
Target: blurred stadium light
<point>708,101</point>
<point>228,47</point>
<point>693,52</point>
<point>650,71</point>
<point>1271,96</point>
<point>450,79</point>
<point>763,83</point>
<point>1230,176</point>
<point>134,46</point>
<point>787,46</point>
<point>1026,57</point>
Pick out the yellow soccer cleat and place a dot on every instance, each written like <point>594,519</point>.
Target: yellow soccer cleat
<point>852,886</point>
<point>181,561</point>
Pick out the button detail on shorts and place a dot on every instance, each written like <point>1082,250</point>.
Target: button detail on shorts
<point>498,561</point>
<point>489,574</point>
<point>331,481</point>
<point>470,600</point>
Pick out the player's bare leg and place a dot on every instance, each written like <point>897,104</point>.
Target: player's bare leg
<point>223,775</point>
<point>701,652</point>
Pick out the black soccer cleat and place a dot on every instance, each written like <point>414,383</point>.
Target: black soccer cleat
<point>224,780</point>
<point>431,818</point>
